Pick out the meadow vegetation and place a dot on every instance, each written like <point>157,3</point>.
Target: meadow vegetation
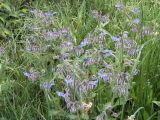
<point>79,60</point>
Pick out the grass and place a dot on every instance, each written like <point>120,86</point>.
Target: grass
<point>79,59</point>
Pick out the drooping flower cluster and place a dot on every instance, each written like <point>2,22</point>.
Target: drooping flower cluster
<point>45,17</point>
<point>73,105</point>
<point>104,19</point>
<point>106,77</point>
<point>80,88</point>
<point>129,46</point>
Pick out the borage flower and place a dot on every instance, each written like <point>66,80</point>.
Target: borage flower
<point>91,85</point>
<point>67,45</point>
<point>108,66</point>
<point>116,38</point>
<point>47,85</point>
<point>66,97</point>
<point>131,51</point>
<point>135,72</point>
<point>50,35</point>
<point>49,14</point>
<point>95,14</point>
<point>119,6</point>
<point>64,32</point>
<point>32,47</point>
<point>135,21</point>
<point>73,107</point>
<point>89,52</point>
<point>127,44</point>
<point>69,80</point>
<point>60,94</point>
<point>102,35</point>
<point>146,31</point>
<point>87,85</point>
<point>79,50</point>
<point>85,42</point>
<point>119,80</point>
<point>37,13</point>
<point>104,19</point>
<point>31,75</point>
<point>125,35</point>
<point>106,77</point>
<point>135,10</point>
<point>107,53</point>
<point>88,61</point>
<point>122,91</point>
<point>65,56</point>
<point>127,62</point>
<point>125,75</point>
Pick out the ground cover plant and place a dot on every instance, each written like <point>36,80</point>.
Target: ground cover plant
<point>79,60</point>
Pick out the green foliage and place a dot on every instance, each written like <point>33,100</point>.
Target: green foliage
<point>21,28</point>
<point>10,19</point>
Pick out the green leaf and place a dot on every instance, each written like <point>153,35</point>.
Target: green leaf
<point>93,69</point>
<point>93,95</point>
<point>2,19</point>
<point>72,117</point>
<point>157,103</point>
<point>0,66</point>
<point>24,10</point>
<point>54,112</point>
<point>3,5</point>
<point>120,101</point>
<point>2,118</point>
<point>7,32</point>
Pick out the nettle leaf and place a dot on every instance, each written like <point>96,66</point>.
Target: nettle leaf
<point>157,103</point>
